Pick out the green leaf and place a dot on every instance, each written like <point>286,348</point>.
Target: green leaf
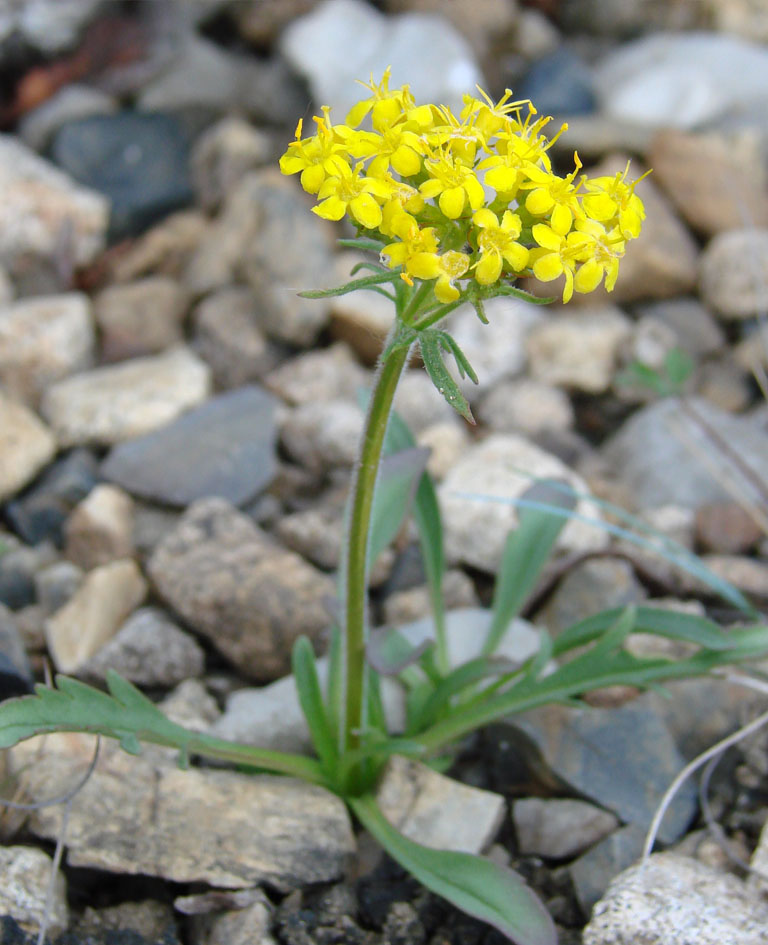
<point>503,289</point>
<point>311,701</point>
<point>390,654</point>
<point>449,343</point>
<point>365,264</point>
<point>525,553</point>
<point>361,242</point>
<point>429,342</point>
<point>366,282</point>
<point>395,490</point>
<point>125,714</point>
<point>482,889</point>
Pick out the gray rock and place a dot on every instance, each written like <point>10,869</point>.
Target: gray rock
<point>134,816</point>
<point>621,758</point>
<point>323,435</point>
<point>227,336</point>
<point>165,249</point>
<point>141,317</point>
<point>342,40</point>
<point>437,811</point>
<point>93,614</point>
<point>100,529</point>
<point>50,26</point>
<point>240,589</point>
<point>415,603</point>
<point>325,374</point>
<point>732,274</point>
<point>592,873</point>
<point>151,919</point>
<point>674,434</point>
<point>447,442</point>
<point>589,587</point>
<point>71,102</point>
<point>362,318</point>
<point>226,447</point>
<point>419,404</point>
<point>696,331</point>
<point>681,80</point>
<point>18,566</point>
<point>42,340</point>
<point>149,650</point>
<point>558,828</point>
<point>222,155</point>
<point>26,446</point>
<point>675,900</point>
<point>43,210</point>
<point>122,401</point>
<point>315,533</point>
<point>248,925</point>
<point>477,500</point>
<point>56,584</point>
<point>579,350</point>
<point>559,83</point>
<point>25,874</point>
<point>15,672</point>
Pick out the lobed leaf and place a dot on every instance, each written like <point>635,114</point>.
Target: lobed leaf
<point>377,278</point>
<point>429,342</point>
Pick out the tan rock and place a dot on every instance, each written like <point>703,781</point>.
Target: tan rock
<point>141,317</point>
<point>94,614</point>
<point>25,874</point>
<point>733,277</point>
<point>26,445</point>
<point>362,318</point>
<point>100,529</point>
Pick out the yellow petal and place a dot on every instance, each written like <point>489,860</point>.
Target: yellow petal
<point>424,265</point>
<point>452,202</point>
<point>539,201</point>
<point>599,206</point>
<point>357,113</point>
<point>366,211</point>
<point>545,236</point>
<point>488,269</point>
<point>406,162</point>
<point>444,291</point>
<point>517,256</point>
<point>312,178</point>
<point>588,277</point>
<point>475,192</point>
<point>331,209</point>
<point>561,219</point>
<point>548,267</point>
<point>485,217</point>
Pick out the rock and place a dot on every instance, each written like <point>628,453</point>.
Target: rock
<point>240,589</point>
<point>118,402</point>
<point>726,528</point>
<point>315,533</point>
<point>696,331</point>
<point>477,500</point>
<point>592,873</point>
<point>228,338</point>
<point>497,350</point>
<point>26,446</point>
<point>620,758</point>
<point>711,178</point>
<point>419,404</point>
<point>559,828</point>
<point>39,515</point>
<point>15,673</point>
<point>226,447</point>
<point>18,566</point>
<point>447,442</point>
<point>362,318</point>
<point>589,587</point>
<point>725,384</point>
<point>133,816</point>
<point>324,434</point>
<point>682,80</point>
<point>100,529</point>
<point>93,615</point>
<point>674,434</point>
<point>437,811</point>
<point>163,250</point>
<point>596,135</point>
<point>56,584</point>
<point>578,350</point>
<point>221,157</point>
<point>525,406</point>
<point>25,875</point>
<point>45,217</point>
<point>202,73</point>
<point>747,574</point>
<point>319,375</point>
<point>341,40</point>
<point>558,83</point>
<point>42,340</point>
<point>149,650</point>
<point>742,17</point>
<point>620,19</point>
<point>674,900</point>
<point>139,161</point>
<point>151,919</point>
<point>732,279</point>
<point>535,36</point>
<point>415,603</point>
<point>51,26</point>
<point>70,103</point>
<point>142,317</point>
<point>247,926</point>
<point>261,23</point>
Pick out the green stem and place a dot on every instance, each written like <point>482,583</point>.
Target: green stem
<point>356,545</point>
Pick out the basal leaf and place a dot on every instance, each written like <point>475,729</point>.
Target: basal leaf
<point>477,886</point>
<point>311,702</point>
<point>395,490</point>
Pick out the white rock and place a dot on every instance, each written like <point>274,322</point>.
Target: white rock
<point>437,811</point>
<point>49,25</point>
<point>323,435</point>
<point>25,873</point>
<point>94,614</point>
<point>681,80</point>
<point>559,827</point>
<point>733,274</point>
<point>100,528</point>
<point>115,403</point>
<point>526,406</point>
<point>344,40</point>
<point>676,900</point>
<point>26,445</point>
<point>43,339</point>
<point>477,500</point>
<point>579,349</point>
<point>42,210</point>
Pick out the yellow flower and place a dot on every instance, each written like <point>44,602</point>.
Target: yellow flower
<point>491,118</point>
<point>555,256</point>
<point>497,243</point>
<point>316,157</point>
<point>384,106</point>
<point>453,183</point>
<point>553,195</point>
<point>349,191</point>
<point>446,268</point>
<point>600,252</point>
<point>612,199</point>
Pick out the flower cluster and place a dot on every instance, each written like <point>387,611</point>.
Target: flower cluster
<point>455,199</point>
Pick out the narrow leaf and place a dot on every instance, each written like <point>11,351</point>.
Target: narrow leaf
<point>311,701</point>
<point>482,889</point>
<point>526,551</point>
<point>462,363</point>
<point>365,283</point>
<point>395,490</point>
<point>440,376</point>
<point>502,289</point>
<point>390,654</point>
<point>361,242</point>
